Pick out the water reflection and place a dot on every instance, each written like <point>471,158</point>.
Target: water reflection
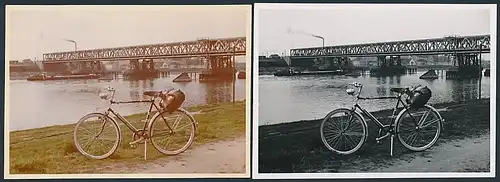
<point>140,86</point>
<point>219,92</point>
<point>462,90</point>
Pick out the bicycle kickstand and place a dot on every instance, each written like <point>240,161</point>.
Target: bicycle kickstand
<point>392,144</point>
<point>145,149</point>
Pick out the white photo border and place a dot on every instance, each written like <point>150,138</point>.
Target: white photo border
<point>248,59</point>
<point>255,152</point>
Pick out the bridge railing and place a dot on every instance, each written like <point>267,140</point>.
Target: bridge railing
<point>227,46</point>
<point>410,47</point>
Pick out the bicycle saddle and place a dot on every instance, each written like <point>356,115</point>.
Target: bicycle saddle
<point>398,89</point>
<point>152,93</point>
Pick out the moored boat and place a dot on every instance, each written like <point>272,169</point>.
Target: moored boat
<point>44,77</point>
<point>242,75</point>
<point>183,77</point>
<point>487,72</point>
<point>429,75</point>
<point>354,74</point>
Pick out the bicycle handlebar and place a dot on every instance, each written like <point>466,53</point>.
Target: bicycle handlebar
<point>356,84</point>
<point>407,90</point>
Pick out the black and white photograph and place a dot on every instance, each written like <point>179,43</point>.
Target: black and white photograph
<point>374,90</point>
<point>127,91</point>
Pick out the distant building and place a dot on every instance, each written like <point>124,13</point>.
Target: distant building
<point>412,63</point>
<point>273,60</point>
<point>26,65</point>
<point>364,61</point>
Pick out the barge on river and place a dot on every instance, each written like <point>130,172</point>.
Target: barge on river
<point>291,72</point>
<point>44,77</point>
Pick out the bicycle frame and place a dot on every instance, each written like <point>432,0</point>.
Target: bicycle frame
<point>385,130</point>
<point>127,122</point>
<point>373,118</point>
<point>370,115</point>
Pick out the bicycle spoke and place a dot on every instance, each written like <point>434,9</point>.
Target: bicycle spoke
<point>411,136</point>
<point>88,144</point>
<point>353,134</point>
<point>161,134</point>
<point>432,122</point>
<point>335,129</point>
<point>337,142</point>
<point>87,131</point>
<point>177,121</point>
<point>335,137</point>
<point>409,129</point>
<point>187,125</point>
<point>423,118</point>
<point>350,141</point>
<point>414,138</point>
<point>333,125</point>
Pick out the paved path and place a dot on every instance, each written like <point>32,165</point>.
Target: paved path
<point>220,157</point>
<point>467,155</point>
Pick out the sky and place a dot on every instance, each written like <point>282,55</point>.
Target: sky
<point>32,31</point>
<point>281,28</point>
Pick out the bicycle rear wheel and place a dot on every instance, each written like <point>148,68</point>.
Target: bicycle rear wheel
<point>172,133</point>
<point>418,129</point>
<point>343,131</point>
<point>96,136</point>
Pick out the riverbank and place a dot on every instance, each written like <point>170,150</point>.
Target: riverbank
<point>271,70</point>
<point>297,147</point>
<point>50,150</point>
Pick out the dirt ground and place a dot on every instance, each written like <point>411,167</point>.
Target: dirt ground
<point>467,155</point>
<point>221,157</point>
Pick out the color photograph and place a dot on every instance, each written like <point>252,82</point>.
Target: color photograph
<point>374,90</point>
<point>127,91</point>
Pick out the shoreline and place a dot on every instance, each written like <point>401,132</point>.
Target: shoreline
<point>297,147</point>
<point>384,111</point>
<point>135,114</point>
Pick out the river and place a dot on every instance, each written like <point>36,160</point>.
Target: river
<point>287,99</point>
<point>47,103</point>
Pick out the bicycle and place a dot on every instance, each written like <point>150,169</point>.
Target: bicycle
<point>105,124</point>
<point>355,140</point>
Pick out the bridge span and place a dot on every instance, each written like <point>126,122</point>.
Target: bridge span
<point>446,45</point>
<point>199,48</point>
<point>465,53</point>
<point>219,53</point>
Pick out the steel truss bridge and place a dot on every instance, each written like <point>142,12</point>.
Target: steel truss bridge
<point>446,45</point>
<point>199,48</point>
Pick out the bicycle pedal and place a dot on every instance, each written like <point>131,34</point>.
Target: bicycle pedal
<point>133,146</point>
<point>137,141</point>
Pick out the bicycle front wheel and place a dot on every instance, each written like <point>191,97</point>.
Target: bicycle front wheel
<point>418,129</point>
<point>96,136</point>
<point>343,131</point>
<point>172,133</point>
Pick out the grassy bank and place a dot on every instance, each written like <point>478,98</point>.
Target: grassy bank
<point>297,146</point>
<point>51,149</point>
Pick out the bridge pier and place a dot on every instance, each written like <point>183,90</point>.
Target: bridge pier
<point>221,68</point>
<point>388,67</point>
<point>466,66</point>
<point>144,68</point>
